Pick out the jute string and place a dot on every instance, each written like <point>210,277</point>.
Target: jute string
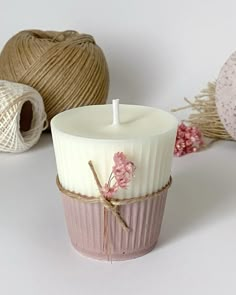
<point>67,68</point>
<point>112,204</point>
<point>205,115</point>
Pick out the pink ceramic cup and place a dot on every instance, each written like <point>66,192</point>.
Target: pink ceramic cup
<point>85,224</point>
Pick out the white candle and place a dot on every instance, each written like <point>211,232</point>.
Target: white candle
<point>145,135</point>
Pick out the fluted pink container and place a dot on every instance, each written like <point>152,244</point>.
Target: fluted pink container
<point>85,223</point>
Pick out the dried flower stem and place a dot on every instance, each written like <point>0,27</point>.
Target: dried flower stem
<point>106,203</point>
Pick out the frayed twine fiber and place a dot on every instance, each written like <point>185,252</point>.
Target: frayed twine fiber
<point>68,69</point>
<point>205,115</point>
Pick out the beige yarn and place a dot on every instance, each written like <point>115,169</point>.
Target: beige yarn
<point>12,98</point>
<point>68,69</point>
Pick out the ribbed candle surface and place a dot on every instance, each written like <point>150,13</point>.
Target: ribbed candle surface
<point>145,135</point>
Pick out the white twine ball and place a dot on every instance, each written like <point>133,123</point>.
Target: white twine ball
<point>15,101</point>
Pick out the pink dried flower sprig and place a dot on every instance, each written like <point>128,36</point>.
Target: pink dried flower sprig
<point>121,175</point>
<point>188,140</point>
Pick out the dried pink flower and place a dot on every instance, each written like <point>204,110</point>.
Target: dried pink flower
<point>130,168</point>
<point>122,173</point>
<point>119,158</point>
<point>108,191</point>
<point>188,140</point>
<point>123,182</point>
<point>123,170</point>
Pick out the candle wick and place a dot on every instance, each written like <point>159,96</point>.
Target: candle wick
<point>116,112</point>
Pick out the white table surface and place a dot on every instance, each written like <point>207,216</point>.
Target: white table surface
<point>196,253</point>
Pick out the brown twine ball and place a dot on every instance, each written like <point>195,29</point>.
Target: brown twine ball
<point>68,69</point>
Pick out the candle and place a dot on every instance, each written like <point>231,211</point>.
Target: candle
<point>144,134</point>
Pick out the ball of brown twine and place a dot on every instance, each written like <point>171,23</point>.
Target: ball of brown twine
<point>68,69</point>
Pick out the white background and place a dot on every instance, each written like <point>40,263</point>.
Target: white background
<point>158,52</point>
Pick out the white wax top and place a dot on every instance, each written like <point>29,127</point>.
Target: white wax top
<point>95,122</point>
<point>145,135</point>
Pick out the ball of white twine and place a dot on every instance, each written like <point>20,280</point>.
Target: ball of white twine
<point>12,98</point>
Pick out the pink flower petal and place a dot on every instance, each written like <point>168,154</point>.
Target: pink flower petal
<point>107,191</point>
<point>188,140</point>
